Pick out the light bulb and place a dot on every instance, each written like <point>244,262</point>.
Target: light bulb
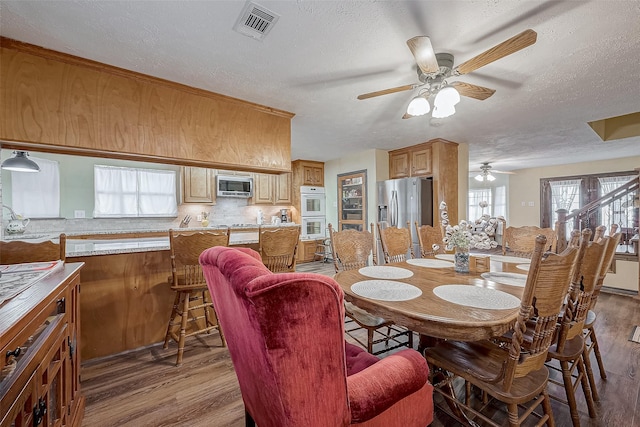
<point>490,177</point>
<point>479,177</point>
<point>418,106</point>
<point>442,111</point>
<point>448,95</point>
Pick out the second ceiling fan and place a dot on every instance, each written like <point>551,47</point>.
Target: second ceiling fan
<point>434,68</point>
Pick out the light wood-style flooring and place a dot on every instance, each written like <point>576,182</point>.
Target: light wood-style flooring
<point>145,388</point>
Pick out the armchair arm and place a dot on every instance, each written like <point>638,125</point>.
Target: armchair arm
<point>384,383</point>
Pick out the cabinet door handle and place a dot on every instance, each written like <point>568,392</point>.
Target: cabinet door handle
<point>14,353</point>
<point>39,411</point>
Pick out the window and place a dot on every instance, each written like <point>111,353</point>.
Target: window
<point>495,199</point>
<point>129,192</point>
<point>37,195</point>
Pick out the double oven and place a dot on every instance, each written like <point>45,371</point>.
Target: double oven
<point>312,212</point>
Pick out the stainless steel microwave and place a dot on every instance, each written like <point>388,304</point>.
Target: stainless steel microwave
<point>234,186</point>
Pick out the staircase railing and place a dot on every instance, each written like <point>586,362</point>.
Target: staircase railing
<point>580,217</point>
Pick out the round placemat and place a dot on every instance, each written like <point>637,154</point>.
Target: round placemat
<point>429,263</point>
<point>446,257</point>
<point>524,267</point>
<point>478,297</point>
<point>511,259</point>
<point>385,290</point>
<point>385,272</point>
<point>513,279</point>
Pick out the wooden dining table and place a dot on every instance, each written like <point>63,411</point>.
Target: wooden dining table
<point>432,316</point>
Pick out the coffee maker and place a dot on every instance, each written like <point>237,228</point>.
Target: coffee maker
<point>284,215</point>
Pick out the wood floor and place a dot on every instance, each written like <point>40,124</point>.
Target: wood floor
<point>145,388</point>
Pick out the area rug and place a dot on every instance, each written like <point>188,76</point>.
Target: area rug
<point>635,335</point>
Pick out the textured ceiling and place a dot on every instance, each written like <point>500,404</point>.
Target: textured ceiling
<point>320,55</point>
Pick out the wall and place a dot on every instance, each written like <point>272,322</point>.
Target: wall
<point>524,187</point>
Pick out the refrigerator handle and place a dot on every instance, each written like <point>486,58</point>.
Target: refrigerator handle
<point>393,209</point>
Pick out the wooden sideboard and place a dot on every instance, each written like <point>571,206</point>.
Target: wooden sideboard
<point>40,360</point>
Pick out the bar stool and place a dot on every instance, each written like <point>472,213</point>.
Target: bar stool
<point>323,250</point>
<point>192,303</point>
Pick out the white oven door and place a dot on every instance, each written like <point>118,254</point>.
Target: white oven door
<point>314,227</point>
<point>312,204</point>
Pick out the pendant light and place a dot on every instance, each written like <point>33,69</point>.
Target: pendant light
<point>20,163</point>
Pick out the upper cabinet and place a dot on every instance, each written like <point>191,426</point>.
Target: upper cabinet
<point>311,173</point>
<point>411,161</point>
<point>272,189</point>
<point>198,185</point>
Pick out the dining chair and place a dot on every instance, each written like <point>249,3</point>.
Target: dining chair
<point>278,247</point>
<point>285,334</point>
<point>352,250</point>
<point>430,239</point>
<point>192,305</point>
<point>566,353</point>
<point>396,243</point>
<point>510,370</point>
<point>591,341</point>
<point>21,251</point>
<point>520,241</point>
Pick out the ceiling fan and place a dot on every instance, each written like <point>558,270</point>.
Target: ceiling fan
<point>486,173</point>
<point>435,68</point>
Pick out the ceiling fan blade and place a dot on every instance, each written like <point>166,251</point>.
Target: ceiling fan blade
<point>423,53</point>
<point>502,172</point>
<point>473,91</point>
<point>507,47</point>
<point>388,91</point>
<point>408,116</point>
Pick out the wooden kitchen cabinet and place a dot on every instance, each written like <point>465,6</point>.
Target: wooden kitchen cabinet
<point>307,250</point>
<point>198,185</point>
<point>311,173</point>
<point>411,161</point>
<point>41,384</point>
<point>272,189</point>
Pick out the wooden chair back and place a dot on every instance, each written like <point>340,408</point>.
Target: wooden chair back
<point>278,247</point>
<point>21,251</point>
<point>186,247</point>
<point>430,239</point>
<point>610,253</point>
<point>545,289</point>
<point>599,234</point>
<point>396,243</point>
<point>521,240</point>
<point>585,278</point>
<point>350,248</point>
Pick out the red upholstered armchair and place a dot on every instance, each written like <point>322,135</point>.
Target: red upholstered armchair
<point>285,333</point>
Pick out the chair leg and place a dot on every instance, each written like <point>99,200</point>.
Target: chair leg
<point>174,311</point>
<point>590,377</point>
<point>207,319</point>
<point>512,409</point>
<point>224,342</point>
<point>183,326</point>
<point>370,340</point>
<point>585,387</point>
<point>571,397</point>
<point>546,408</point>
<point>248,420</point>
<point>596,350</point>
<point>410,339</point>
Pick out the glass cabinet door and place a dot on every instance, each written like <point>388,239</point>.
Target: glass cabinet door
<point>352,208</point>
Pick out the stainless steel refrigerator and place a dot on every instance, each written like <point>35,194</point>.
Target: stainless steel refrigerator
<point>402,200</point>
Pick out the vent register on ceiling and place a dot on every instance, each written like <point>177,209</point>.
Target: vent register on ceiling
<point>255,21</point>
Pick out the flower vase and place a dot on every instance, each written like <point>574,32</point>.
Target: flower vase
<point>461,260</point>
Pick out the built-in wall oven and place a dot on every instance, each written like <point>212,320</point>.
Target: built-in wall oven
<point>312,201</point>
<point>312,212</point>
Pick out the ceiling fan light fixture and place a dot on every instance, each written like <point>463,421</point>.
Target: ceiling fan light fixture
<point>418,106</point>
<point>447,96</point>
<point>20,163</point>
<point>479,177</point>
<point>490,177</point>
<point>442,111</point>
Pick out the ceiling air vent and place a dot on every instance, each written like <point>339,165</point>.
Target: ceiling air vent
<point>255,21</point>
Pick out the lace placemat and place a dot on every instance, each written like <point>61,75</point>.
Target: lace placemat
<point>385,272</point>
<point>478,297</point>
<point>430,263</point>
<point>513,279</point>
<point>385,290</point>
<point>511,259</point>
<point>446,257</point>
<point>524,267</point>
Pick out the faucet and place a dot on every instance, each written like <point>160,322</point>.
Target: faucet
<point>13,214</point>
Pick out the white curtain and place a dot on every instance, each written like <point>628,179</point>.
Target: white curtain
<point>564,195</point>
<point>127,192</point>
<point>475,197</point>
<point>37,195</point>
<point>500,202</point>
<point>621,211</point>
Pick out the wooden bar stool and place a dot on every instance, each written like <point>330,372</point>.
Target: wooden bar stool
<point>192,304</point>
<point>20,251</point>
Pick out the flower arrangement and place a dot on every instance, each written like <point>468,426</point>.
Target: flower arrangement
<point>460,237</point>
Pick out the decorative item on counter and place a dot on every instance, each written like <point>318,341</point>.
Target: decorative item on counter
<point>17,224</point>
<point>185,221</point>
<point>260,217</point>
<point>275,220</point>
<point>205,219</point>
<point>460,239</point>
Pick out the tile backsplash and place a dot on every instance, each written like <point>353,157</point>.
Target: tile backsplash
<point>227,211</point>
